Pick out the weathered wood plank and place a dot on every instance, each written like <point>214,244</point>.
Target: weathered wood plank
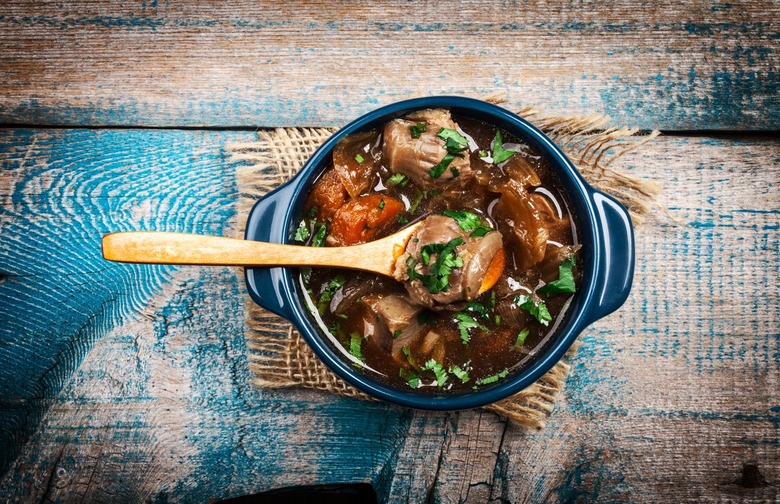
<point>669,65</point>
<point>60,191</point>
<point>670,396</point>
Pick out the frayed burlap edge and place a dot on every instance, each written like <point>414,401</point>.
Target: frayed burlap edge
<point>278,355</point>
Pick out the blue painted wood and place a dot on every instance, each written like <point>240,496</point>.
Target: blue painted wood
<point>61,191</point>
<point>139,366</point>
<point>136,381</point>
<point>672,65</point>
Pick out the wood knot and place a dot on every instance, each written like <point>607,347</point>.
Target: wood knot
<point>751,477</point>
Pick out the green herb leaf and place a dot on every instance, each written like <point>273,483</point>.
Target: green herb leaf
<point>469,222</point>
<point>438,370</point>
<point>565,283</point>
<point>302,233</point>
<point>492,378</point>
<point>461,374</point>
<point>454,142</point>
<point>355,341</point>
<point>466,322</point>
<point>417,129</point>
<point>359,158</point>
<point>408,354</point>
<point>478,308</point>
<point>537,310</point>
<point>418,197</point>
<point>499,154</point>
<point>321,230</point>
<point>411,378</point>
<point>306,275</point>
<point>440,168</point>
<point>403,219</point>
<point>329,291</point>
<point>397,179</point>
<point>438,280</point>
<point>522,335</point>
<point>312,212</point>
<point>381,204</point>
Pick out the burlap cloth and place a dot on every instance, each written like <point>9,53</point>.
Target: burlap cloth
<point>278,355</point>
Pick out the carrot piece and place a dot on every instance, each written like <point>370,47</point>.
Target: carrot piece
<point>494,270</point>
<point>358,220</point>
<point>328,195</point>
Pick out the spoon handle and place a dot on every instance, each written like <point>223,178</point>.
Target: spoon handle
<point>157,247</point>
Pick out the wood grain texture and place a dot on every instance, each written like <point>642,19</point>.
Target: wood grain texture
<point>60,191</point>
<point>668,65</point>
<point>671,397</point>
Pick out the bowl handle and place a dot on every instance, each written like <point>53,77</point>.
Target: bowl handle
<point>266,223</point>
<point>615,262</point>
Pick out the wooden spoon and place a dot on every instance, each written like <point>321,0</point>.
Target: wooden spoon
<point>157,247</point>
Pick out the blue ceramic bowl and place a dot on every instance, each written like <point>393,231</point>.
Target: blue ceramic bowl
<point>607,256</point>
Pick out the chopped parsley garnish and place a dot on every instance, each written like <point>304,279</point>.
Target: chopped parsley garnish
<point>418,197</point>
<point>460,373</point>
<point>476,307</point>
<point>396,333</point>
<point>438,169</point>
<point>321,230</point>
<point>302,233</point>
<point>438,370</point>
<point>403,219</point>
<point>417,129</point>
<point>455,143</point>
<point>537,310</point>
<point>355,341</point>
<point>492,378</point>
<point>397,179</point>
<point>521,336</point>
<point>381,204</point>
<point>499,153</point>
<point>330,290</point>
<point>411,378</point>
<point>466,322</point>
<point>469,222</point>
<point>306,275</point>
<point>359,158</point>
<point>312,212</point>
<point>438,280</point>
<point>408,354</point>
<point>564,284</point>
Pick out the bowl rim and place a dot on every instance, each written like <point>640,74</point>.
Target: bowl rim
<point>579,192</point>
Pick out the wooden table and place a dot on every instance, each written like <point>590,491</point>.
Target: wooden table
<point>130,383</point>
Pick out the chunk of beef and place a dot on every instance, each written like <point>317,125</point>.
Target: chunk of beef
<point>386,317</point>
<point>414,157</point>
<point>463,282</point>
